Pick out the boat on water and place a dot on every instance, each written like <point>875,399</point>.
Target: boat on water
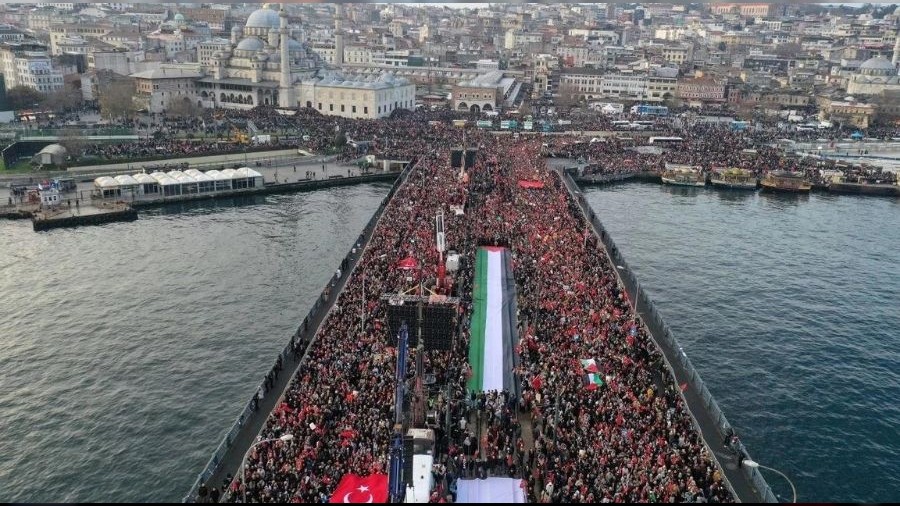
<point>683,175</point>
<point>862,186</point>
<point>785,181</point>
<point>734,179</point>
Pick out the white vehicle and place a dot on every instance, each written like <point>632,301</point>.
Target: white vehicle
<point>422,481</point>
<point>261,139</point>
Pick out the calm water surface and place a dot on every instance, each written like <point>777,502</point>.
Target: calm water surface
<point>788,307</point>
<point>129,349</point>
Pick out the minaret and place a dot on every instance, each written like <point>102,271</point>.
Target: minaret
<point>286,88</point>
<point>339,35</point>
<point>896,59</point>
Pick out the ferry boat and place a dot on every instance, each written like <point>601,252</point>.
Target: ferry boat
<point>863,186</point>
<point>734,179</point>
<point>683,175</point>
<point>785,181</point>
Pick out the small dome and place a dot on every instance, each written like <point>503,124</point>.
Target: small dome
<point>250,44</point>
<point>235,29</point>
<point>262,57</point>
<point>179,18</point>
<point>263,18</point>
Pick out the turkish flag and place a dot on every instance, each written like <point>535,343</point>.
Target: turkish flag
<point>358,489</point>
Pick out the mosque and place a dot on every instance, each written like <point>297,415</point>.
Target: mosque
<point>264,63</point>
<point>875,76</point>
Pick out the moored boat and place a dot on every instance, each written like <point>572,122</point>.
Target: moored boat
<point>785,181</point>
<point>683,175</point>
<point>734,178</point>
<point>863,186</point>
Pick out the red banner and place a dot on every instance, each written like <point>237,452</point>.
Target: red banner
<point>361,489</point>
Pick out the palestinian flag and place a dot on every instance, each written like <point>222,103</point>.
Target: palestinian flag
<point>492,348</point>
<point>592,381</point>
<point>589,365</point>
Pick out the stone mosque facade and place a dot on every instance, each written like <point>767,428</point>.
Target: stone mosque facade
<point>266,64</point>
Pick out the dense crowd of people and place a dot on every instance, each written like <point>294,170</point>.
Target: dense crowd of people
<point>630,440</point>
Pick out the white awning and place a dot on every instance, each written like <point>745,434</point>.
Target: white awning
<point>163,179</point>
<point>217,175</point>
<point>126,180</point>
<point>142,178</point>
<point>106,182</point>
<point>247,172</point>
<point>198,176</point>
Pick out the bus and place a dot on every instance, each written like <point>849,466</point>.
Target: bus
<point>666,141</point>
<point>623,124</point>
<point>421,482</point>
<point>650,110</point>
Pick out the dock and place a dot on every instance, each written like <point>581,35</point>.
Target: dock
<point>88,214</point>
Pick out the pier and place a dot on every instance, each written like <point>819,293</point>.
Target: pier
<point>88,214</point>
<point>747,484</point>
<point>285,174</point>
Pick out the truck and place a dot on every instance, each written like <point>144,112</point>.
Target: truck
<point>261,139</point>
<point>419,485</point>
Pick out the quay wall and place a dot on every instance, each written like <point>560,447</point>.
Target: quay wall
<point>228,456</point>
<point>40,224</point>
<point>747,484</point>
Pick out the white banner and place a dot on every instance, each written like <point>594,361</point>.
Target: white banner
<point>491,490</point>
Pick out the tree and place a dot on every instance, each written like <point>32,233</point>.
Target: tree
<point>340,140</point>
<point>22,97</point>
<point>73,140</point>
<point>117,100</point>
<point>181,107</point>
<point>568,95</point>
<point>62,100</point>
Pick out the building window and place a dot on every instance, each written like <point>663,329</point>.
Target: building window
<point>320,106</point>
<point>331,107</point>
<point>365,110</point>
<point>354,109</point>
<point>342,107</point>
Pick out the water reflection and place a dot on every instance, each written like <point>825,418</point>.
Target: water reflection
<point>734,196</point>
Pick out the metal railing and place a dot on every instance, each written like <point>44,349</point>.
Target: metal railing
<point>323,301</point>
<point>653,321</point>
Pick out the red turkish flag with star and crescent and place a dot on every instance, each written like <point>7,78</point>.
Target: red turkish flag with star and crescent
<point>361,489</point>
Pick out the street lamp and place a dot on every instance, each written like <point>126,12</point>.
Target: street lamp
<point>284,438</point>
<point>754,465</point>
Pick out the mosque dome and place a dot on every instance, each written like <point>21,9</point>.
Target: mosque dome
<point>877,66</point>
<point>250,44</point>
<point>179,18</point>
<point>263,18</point>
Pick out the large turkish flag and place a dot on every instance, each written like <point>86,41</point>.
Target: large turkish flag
<point>359,489</point>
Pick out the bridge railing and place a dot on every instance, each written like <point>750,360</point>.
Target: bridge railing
<point>646,309</point>
<point>296,341</point>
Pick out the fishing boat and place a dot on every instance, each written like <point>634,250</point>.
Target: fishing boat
<point>860,184</point>
<point>683,175</point>
<point>734,179</point>
<point>785,181</point>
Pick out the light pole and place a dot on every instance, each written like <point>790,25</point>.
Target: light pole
<point>284,438</point>
<point>752,464</point>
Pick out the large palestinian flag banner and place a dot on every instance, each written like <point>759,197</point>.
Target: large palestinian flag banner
<point>493,333</point>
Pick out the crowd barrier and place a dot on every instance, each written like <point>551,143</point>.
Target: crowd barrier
<point>653,321</point>
<point>323,302</point>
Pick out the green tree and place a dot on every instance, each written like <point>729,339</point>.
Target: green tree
<point>21,98</point>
